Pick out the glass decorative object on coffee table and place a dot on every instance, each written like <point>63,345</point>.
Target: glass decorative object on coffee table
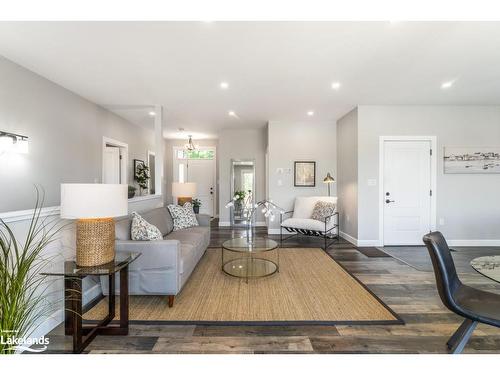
<point>252,259</point>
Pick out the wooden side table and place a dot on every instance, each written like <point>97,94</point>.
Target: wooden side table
<point>73,304</point>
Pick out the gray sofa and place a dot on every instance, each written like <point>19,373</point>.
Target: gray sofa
<point>165,265</point>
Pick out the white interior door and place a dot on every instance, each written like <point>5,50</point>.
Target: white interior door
<point>111,165</point>
<point>407,192</point>
<point>202,173</point>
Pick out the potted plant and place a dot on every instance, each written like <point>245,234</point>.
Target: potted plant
<point>23,303</point>
<point>196,205</point>
<point>131,191</point>
<point>142,176</point>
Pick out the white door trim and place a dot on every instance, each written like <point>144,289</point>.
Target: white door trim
<point>382,139</point>
<point>123,161</point>
<point>151,153</point>
<point>216,185</point>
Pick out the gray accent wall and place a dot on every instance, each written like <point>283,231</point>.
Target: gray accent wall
<point>240,144</point>
<point>299,141</point>
<point>65,137</point>
<point>468,204</point>
<point>347,175</point>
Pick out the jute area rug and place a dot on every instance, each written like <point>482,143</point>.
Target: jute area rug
<point>311,288</point>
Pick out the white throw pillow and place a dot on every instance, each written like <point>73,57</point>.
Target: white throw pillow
<point>322,210</point>
<point>183,216</point>
<point>141,230</point>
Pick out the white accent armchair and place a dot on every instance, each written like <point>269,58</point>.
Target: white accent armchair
<point>301,223</point>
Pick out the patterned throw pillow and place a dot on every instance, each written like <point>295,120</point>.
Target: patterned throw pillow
<point>141,230</point>
<point>183,216</point>
<point>322,210</point>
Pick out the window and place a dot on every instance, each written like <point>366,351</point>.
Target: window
<point>247,181</point>
<point>181,173</point>
<point>196,154</point>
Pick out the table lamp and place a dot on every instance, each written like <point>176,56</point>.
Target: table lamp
<point>94,206</point>
<point>184,191</point>
<point>328,180</point>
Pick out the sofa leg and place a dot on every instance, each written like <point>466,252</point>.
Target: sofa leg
<point>171,301</point>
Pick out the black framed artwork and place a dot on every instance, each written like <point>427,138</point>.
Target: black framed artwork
<point>304,174</point>
<point>138,162</point>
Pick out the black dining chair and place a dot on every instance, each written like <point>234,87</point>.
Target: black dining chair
<point>475,305</point>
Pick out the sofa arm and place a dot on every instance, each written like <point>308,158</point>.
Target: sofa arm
<point>203,220</point>
<point>157,271</point>
<point>154,254</point>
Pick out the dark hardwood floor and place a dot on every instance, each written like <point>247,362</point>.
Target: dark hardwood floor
<point>409,291</point>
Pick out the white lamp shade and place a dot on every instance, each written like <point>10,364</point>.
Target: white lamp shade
<point>183,189</point>
<point>93,201</point>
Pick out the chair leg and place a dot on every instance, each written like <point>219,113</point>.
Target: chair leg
<point>457,342</point>
<point>171,301</point>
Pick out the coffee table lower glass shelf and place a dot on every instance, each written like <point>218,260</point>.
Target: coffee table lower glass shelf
<point>250,259</point>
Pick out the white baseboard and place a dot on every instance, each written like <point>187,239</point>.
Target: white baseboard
<point>48,324</point>
<point>479,243</point>
<point>228,224</point>
<point>349,238</point>
<point>366,243</point>
<point>92,293</point>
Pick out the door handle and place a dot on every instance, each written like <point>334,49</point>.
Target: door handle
<point>388,201</point>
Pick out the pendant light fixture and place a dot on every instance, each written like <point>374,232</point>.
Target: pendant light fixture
<point>190,146</point>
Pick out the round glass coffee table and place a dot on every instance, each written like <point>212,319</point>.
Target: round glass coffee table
<point>488,266</point>
<point>250,259</point>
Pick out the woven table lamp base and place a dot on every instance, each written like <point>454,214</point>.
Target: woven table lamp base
<point>95,241</point>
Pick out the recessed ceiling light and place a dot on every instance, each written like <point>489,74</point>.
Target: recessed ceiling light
<point>152,113</point>
<point>310,113</point>
<point>224,85</point>
<point>335,85</point>
<point>232,113</point>
<point>447,85</point>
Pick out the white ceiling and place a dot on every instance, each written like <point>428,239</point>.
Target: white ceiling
<point>276,70</point>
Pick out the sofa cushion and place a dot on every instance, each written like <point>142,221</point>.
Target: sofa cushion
<point>304,206</point>
<point>308,224</point>
<point>141,230</point>
<point>160,218</point>
<point>196,236</point>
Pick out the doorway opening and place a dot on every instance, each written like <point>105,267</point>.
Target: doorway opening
<point>114,161</point>
<point>152,174</point>
<point>198,166</point>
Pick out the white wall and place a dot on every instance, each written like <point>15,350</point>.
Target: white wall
<point>240,144</point>
<point>65,133</point>
<point>469,204</point>
<point>65,137</point>
<point>299,141</point>
<point>347,175</point>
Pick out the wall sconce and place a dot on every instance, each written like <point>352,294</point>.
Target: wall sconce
<point>15,143</point>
